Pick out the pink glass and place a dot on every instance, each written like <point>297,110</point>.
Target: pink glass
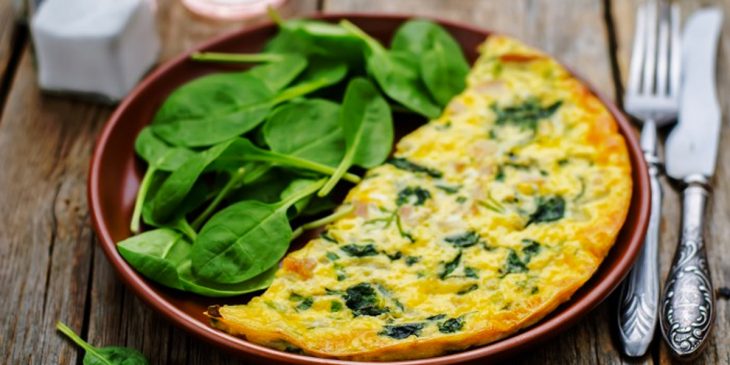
<point>230,9</point>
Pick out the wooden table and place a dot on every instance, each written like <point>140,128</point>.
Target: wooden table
<point>52,269</point>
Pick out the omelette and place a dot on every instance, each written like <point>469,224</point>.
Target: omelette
<point>483,222</point>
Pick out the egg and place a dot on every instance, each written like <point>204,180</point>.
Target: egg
<point>484,221</point>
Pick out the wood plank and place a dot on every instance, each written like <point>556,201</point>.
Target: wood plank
<point>718,350</point>
<point>49,264</point>
<point>576,35</point>
<point>12,39</point>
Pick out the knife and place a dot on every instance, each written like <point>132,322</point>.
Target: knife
<point>688,309</point>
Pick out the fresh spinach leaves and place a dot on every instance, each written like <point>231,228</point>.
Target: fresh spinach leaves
<point>396,73</point>
<point>368,128</point>
<point>443,67</point>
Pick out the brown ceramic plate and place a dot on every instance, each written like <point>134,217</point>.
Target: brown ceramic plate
<point>115,174</point>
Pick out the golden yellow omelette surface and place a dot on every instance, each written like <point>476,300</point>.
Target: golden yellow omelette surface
<point>484,221</point>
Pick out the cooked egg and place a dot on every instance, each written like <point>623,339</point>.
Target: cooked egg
<point>483,222</point>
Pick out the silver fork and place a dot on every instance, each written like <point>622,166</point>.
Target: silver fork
<point>651,98</point>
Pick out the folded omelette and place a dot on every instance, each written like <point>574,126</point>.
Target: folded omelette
<point>483,222</point>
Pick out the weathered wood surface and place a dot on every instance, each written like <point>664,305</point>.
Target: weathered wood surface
<point>51,268</point>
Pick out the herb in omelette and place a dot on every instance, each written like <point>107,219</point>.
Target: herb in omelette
<point>362,299</point>
<point>451,325</point>
<point>356,250</point>
<point>525,115</point>
<point>450,266</point>
<point>467,239</point>
<point>549,209</point>
<point>414,195</point>
<point>406,165</point>
<point>402,331</point>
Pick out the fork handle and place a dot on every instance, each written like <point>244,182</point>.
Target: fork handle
<point>688,308</point>
<point>639,298</point>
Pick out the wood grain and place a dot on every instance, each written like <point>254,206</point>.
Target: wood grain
<point>50,266</point>
<point>718,350</point>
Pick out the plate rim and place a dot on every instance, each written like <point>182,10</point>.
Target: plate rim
<point>542,330</point>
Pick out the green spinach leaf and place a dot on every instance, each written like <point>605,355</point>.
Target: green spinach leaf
<point>159,157</point>
<point>401,331</point>
<point>443,66</point>
<point>368,128</point>
<point>244,239</point>
<point>157,254</point>
<point>309,129</point>
<point>397,74</point>
<point>109,355</point>
<point>362,300</point>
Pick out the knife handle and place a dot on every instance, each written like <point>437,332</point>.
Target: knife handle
<point>639,298</point>
<point>688,309</point>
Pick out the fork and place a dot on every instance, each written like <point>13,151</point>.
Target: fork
<point>652,99</point>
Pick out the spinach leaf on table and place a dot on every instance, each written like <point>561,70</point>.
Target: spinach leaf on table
<point>108,355</point>
<point>159,157</point>
<point>244,239</point>
<point>368,128</point>
<point>443,67</point>
<point>397,74</point>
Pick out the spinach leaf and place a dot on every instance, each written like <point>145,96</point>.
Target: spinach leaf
<point>549,209</point>
<point>282,69</point>
<point>414,195</point>
<point>212,109</point>
<point>309,129</point>
<point>157,254</point>
<point>177,186</point>
<point>401,331</point>
<point>513,264</point>
<point>397,74</point>
<point>363,300</point>
<point>443,66</point>
<point>109,355</point>
<point>197,285</point>
<point>316,39</point>
<point>355,250</point>
<point>467,239</point>
<point>293,188</point>
<point>240,151</point>
<point>218,107</point>
<point>450,266</point>
<point>407,165</point>
<point>234,179</point>
<point>277,75</point>
<point>451,325</point>
<point>531,249</point>
<point>335,306</point>
<point>244,239</point>
<point>159,157</point>
<point>368,128</point>
<point>525,115</point>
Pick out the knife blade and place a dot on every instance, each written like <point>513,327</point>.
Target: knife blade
<point>691,147</point>
<point>687,307</point>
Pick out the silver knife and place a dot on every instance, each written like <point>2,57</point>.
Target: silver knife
<point>688,309</point>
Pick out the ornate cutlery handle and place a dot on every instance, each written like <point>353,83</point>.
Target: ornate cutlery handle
<point>687,307</point>
<point>639,300</point>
